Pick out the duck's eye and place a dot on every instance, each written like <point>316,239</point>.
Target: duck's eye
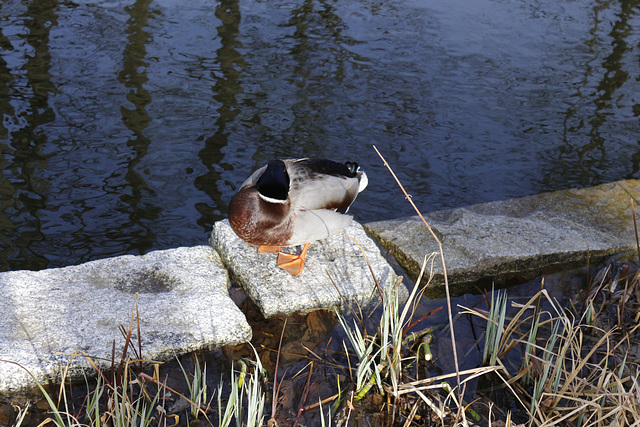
<point>352,166</point>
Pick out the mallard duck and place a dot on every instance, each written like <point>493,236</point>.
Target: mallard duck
<point>294,202</point>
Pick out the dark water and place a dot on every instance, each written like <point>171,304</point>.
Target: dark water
<point>127,126</point>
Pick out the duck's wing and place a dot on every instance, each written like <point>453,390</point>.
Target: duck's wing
<point>311,225</point>
<point>322,184</point>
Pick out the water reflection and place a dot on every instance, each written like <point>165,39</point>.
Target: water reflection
<point>589,147</point>
<point>138,209</point>
<point>225,91</point>
<point>321,64</point>
<point>5,82</point>
<point>23,188</point>
<point>128,128</point>
<point>6,187</point>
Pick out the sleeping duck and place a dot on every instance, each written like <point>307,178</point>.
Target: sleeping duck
<point>294,202</point>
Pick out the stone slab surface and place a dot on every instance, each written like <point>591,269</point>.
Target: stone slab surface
<point>338,259</point>
<point>183,305</point>
<point>518,238</point>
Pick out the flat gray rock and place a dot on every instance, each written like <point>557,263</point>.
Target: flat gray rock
<point>335,269</point>
<point>518,238</point>
<point>183,305</point>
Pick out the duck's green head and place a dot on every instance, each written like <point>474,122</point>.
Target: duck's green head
<point>274,182</point>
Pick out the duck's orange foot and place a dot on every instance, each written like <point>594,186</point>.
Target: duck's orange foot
<point>293,264</point>
<point>269,249</point>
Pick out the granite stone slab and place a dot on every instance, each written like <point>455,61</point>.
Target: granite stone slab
<point>518,239</point>
<point>336,270</point>
<point>182,300</point>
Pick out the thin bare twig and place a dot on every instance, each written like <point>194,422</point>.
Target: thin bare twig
<point>635,228</point>
<point>276,385</point>
<point>304,396</point>
<point>444,268</point>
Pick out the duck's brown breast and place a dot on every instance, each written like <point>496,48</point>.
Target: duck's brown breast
<point>259,222</point>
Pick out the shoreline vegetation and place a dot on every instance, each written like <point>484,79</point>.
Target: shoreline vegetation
<point>544,362</point>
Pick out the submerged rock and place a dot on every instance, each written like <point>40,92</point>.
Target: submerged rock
<point>49,315</point>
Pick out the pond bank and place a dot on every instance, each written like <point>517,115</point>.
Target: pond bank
<point>183,299</point>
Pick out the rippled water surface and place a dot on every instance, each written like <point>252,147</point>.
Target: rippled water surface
<point>127,126</point>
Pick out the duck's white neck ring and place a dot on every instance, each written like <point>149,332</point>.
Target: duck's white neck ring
<point>271,199</point>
